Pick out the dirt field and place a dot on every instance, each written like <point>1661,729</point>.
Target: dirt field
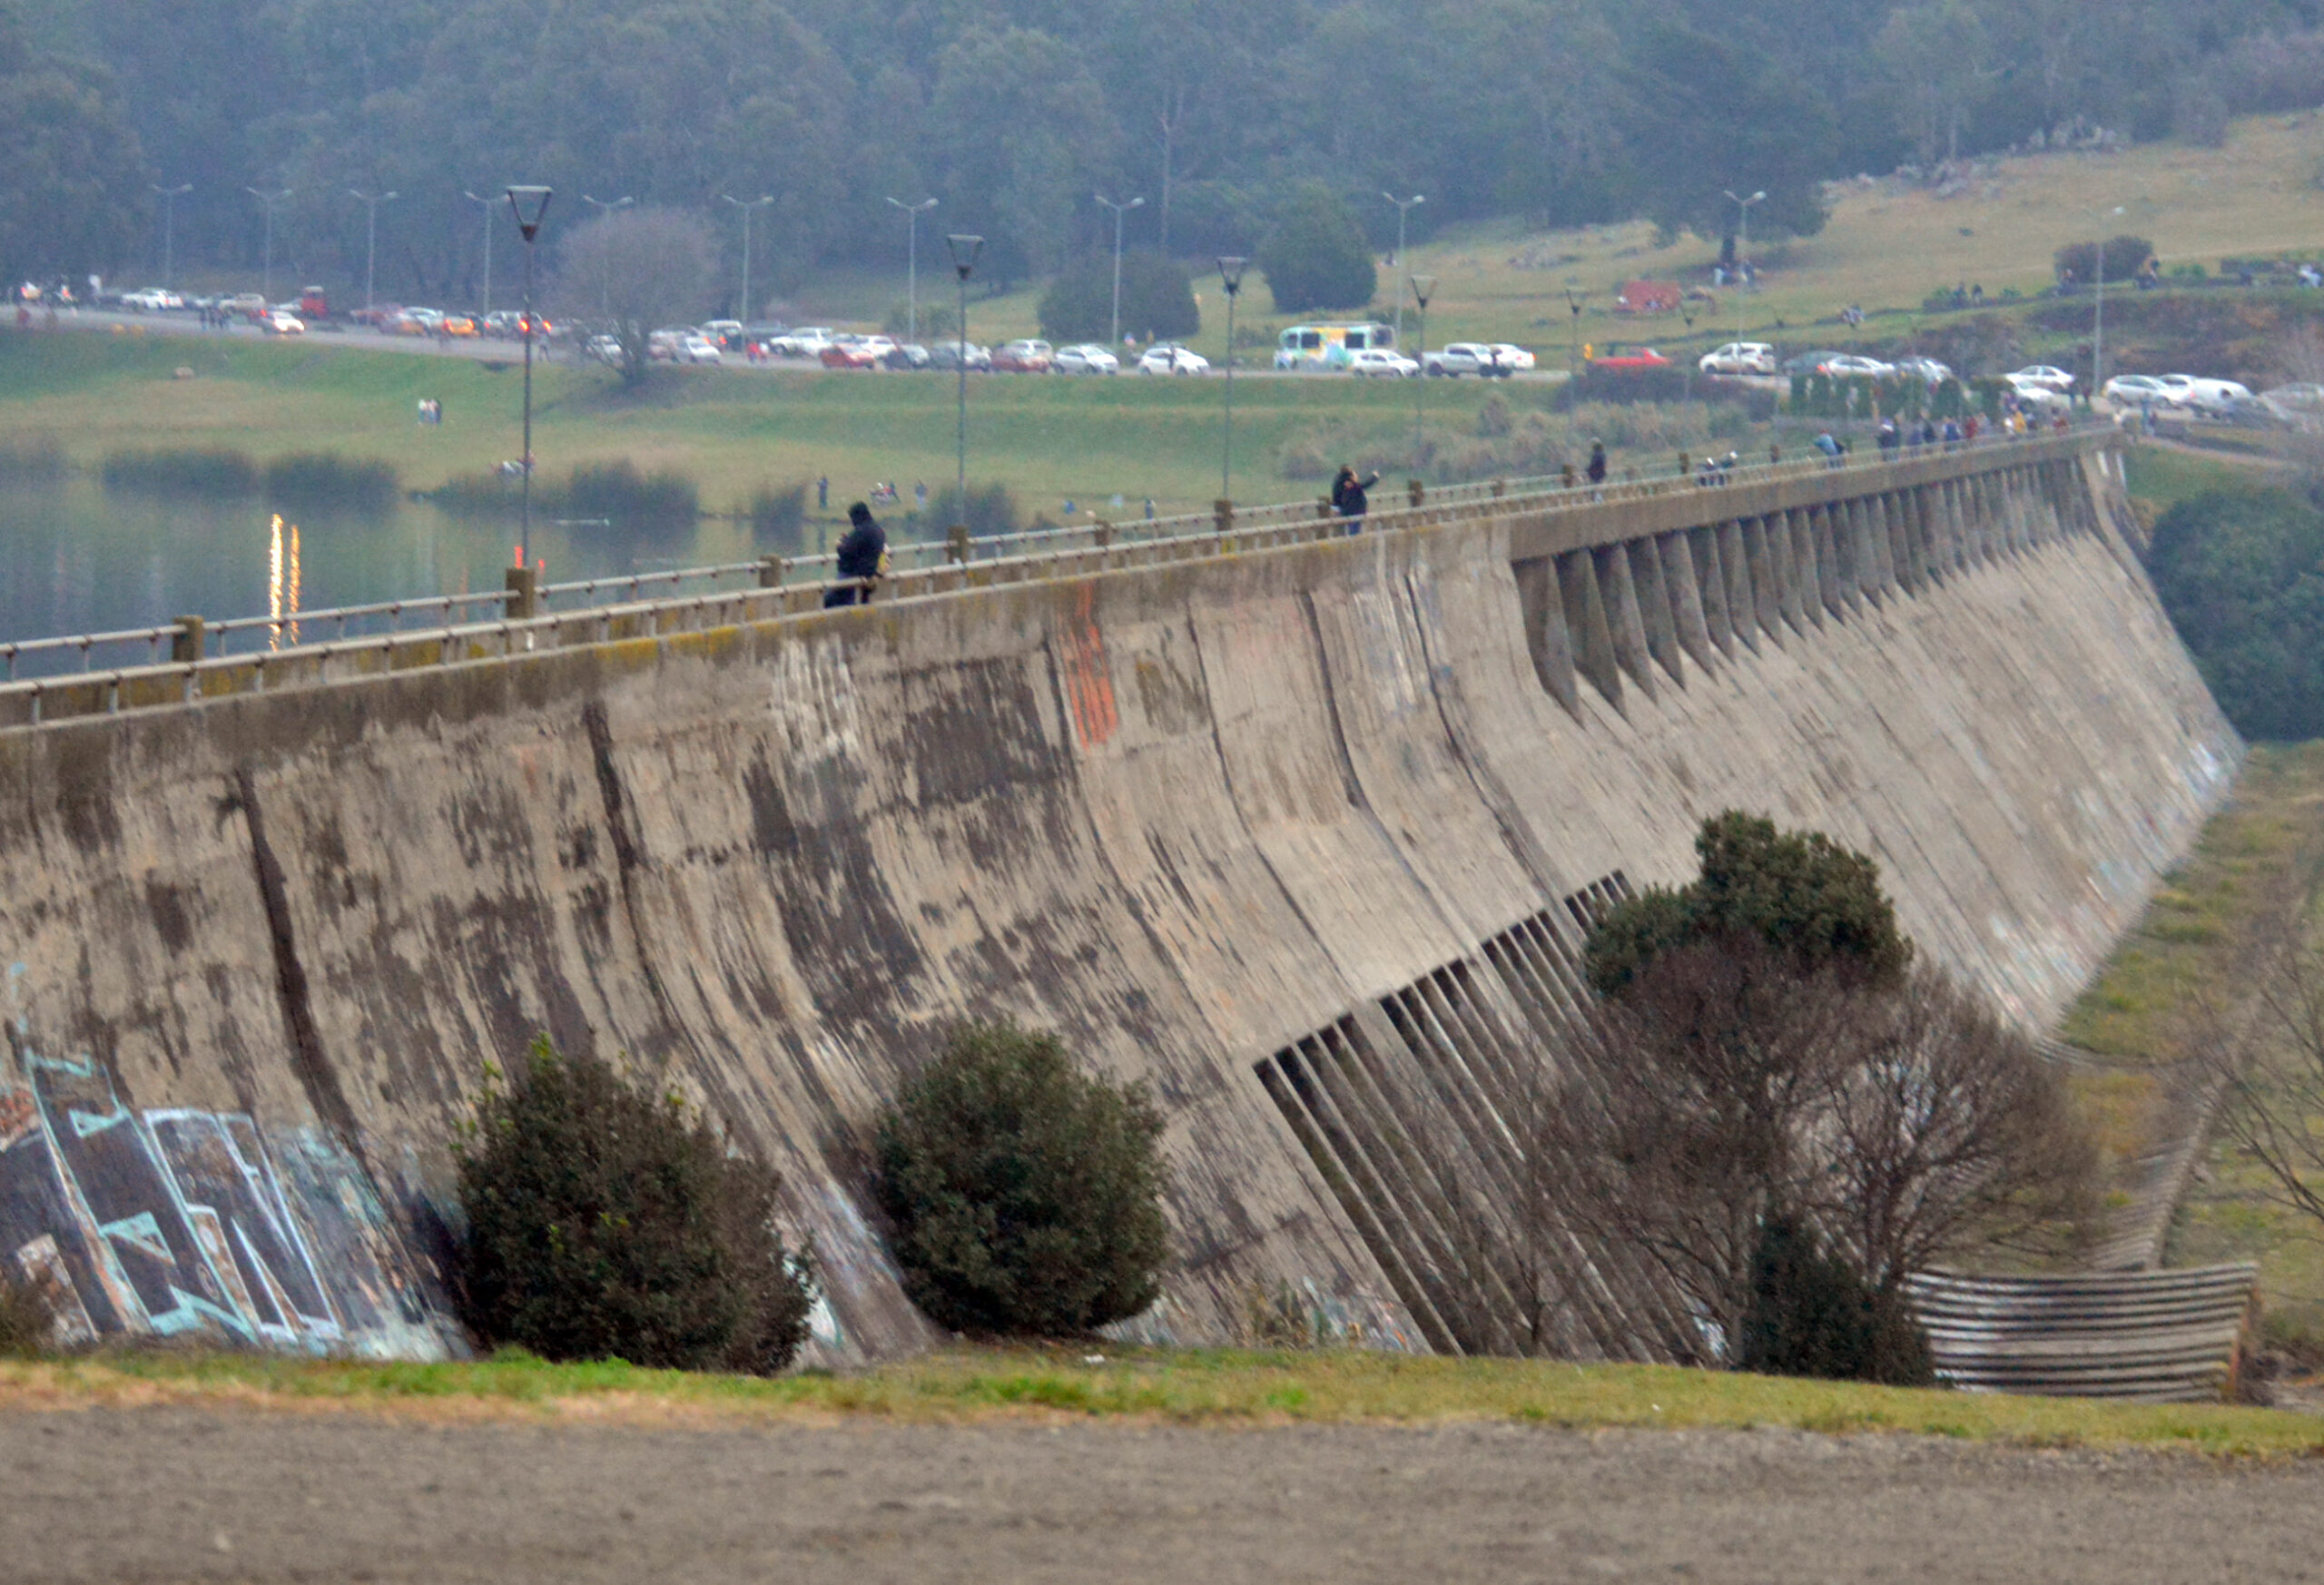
<point>174,1494</point>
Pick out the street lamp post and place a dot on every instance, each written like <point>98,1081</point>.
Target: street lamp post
<point>1424,288</point>
<point>529,205</point>
<point>1742,248</point>
<point>759,202</point>
<point>1120,210</point>
<point>1404,208</point>
<point>2098,218</point>
<point>169,196</point>
<point>605,206</point>
<point>489,204</point>
<point>269,200</point>
<point>371,201</point>
<point>912,212</point>
<point>1573,300</point>
<point>964,249</point>
<point>1230,275</point>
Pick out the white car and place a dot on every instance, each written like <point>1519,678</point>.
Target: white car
<point>281,324</point>
<point>2212,398</point>
<point>2043,374</point>
<point>1740,357</point>
<point>698,350</point>
<point>151,299</point>
<point>2039,398</point>
<point>1926,369</point>
<point>1513,359</point>
<point>1087,357</point>
<point>1455,358</point>
<point>808,342</point>
<point>604,348</point>
<point>1171,359</point>
<point>2135,390</point>
<point>1849,366</point>
<point>1380,363</point>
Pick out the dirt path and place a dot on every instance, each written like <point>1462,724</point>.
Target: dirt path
<point>167,1494</point>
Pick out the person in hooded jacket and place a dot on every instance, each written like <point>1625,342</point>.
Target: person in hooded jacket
<point>1597,470</point>
<point>862,557</point>
<point>1350,496</point>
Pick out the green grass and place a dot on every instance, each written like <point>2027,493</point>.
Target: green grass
<point>1199,1387</point>
<point>1050,439</point>
<point>2163,477</point>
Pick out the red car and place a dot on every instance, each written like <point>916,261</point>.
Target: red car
<point>856,351</point>
<point>1023,358</point>
<point>1620,357</point>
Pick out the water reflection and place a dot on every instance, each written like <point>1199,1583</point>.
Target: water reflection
<point>77,558</point>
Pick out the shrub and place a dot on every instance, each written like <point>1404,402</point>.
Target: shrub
<point>310,480</point>
<point>1800,891</point>
<point>987,509</point>
<point>657,502</point>
<point>27,1324</point>
<point>2125,257</point>
<point>1158,299</point>
<point>2242,574</point>
<point>217,473</point>
<point>604,1222</point>
<point>1317,257</point>
<point>1812,1315</point>
<point>1026,1198</point>
<point>778,516</point>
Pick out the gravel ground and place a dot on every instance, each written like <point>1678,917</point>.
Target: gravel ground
<point>175,1495</point>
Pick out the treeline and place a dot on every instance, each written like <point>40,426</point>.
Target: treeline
<point>1014,111</point>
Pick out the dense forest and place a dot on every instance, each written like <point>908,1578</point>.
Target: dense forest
<point>1013,113</point>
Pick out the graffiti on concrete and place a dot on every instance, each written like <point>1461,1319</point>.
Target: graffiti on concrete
<point>174,1222</point>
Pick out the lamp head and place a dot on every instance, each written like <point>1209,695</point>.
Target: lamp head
<point>964,248</point>
<point>530,205</point>
<point>1230,271</point>
<point>1424,288</point>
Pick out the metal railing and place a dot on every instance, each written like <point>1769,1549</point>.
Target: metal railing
<point>929,570</point>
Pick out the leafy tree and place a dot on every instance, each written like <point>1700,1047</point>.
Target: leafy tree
<point>1158,299</point>
<point>1812,1315</point>
<point>1719,115</point>
<point>1799,893</point>
<point>2124,258</point>
<point>1935,55</point>
<point>73,184</point>
<point>2242,574</point>
<point>1317,256</point>
<point>1026,1197</point>
<point>604,1222</point>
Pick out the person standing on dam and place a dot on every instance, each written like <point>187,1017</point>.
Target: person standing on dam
<point>862,559</point>
<point>1351,496</point>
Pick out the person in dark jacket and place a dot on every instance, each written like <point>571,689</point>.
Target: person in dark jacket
<point>861,551</point>
<point>1350,496</point>
<point>1597,470</point>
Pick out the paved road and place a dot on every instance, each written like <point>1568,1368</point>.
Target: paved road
<point>153,1495</point>
<point>189,325</point>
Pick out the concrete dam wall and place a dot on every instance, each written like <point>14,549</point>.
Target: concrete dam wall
<point>1305,830</point>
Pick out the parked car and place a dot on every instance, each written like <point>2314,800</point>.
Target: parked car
<point>698,350</point>
<point>808,342</point>
<point>2299,405</point>
<point>727,333</point>
<point>2212,398</point>
<point>1455,358</point>
<point>504,323</point>
<point>1087,357</point>
<point>2135,390</point>
<point>281,324</point>
<point>1853,366</point>
<point>1809,362</point>
<point>1380,363</point>
<point>604,348</point>
<point>1740,357</point>
<point>1512,360</point>
<point>1616,359</point>
<point>906,355</point>
<point>1026,357</point>
<point>2039,398</point>
<point>1168,358</point>
<point>1926,369</point>
<point>954,354</point>
<point>151,299</point>
<point>852,351</point>
<point>2043,374</point>
<point>456,325</point>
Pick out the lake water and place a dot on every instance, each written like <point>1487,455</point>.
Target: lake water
<point>76,558</point>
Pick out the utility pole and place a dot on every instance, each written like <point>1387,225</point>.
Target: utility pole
<point>964,249</point>
<point>269,199</point>
<point>1404,208</point>
<point>1230,275</point>
<point>1742,249</point>
<point>1120,210</point>
<point>489,205</point>
<point>371,201</point>
<point>759,202</point>
<point>530,206</point>
<point>169,196</point>
<point>2098,320</point>
<point>912,212</point>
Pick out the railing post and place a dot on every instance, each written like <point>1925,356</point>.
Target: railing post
<point>1104,537</point>
<point>524,585</point>
<point>1414,491</point>
<point>771,569</point>
<point>956,545</point>
<point>1222,515</point>
<point>186,643</point>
